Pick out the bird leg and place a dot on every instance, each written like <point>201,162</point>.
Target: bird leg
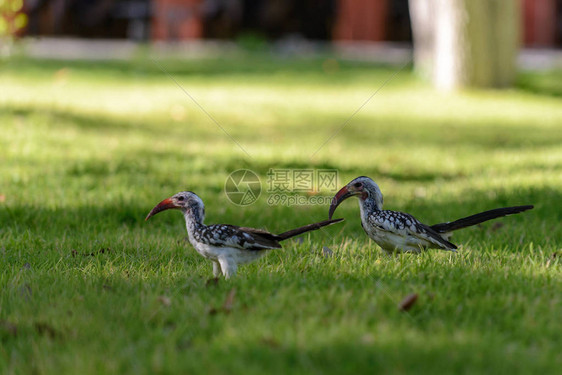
<point>228,266</point>
<point>216,269</point>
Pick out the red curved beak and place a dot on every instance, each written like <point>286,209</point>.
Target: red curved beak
<point>166,204</point>
<point>340,196</point>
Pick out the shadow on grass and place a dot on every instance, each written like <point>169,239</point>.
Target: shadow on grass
<point>146,160</point>
<point>63,118</point>
<point>50,224</point>
<point>291,328</point>
<point>383,131</point>
<point>541,83</point>
<point>367,353</point>
<point>248,65</point>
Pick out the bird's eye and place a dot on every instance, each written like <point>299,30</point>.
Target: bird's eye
<point>181,198</point>
<point>357,185</point>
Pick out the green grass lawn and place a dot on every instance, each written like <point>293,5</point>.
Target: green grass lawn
<point>88,287</point>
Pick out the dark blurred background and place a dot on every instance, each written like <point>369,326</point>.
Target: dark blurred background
<point>323,20</point>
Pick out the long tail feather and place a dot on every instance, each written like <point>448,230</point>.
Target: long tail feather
<point>478,218</point>
<point>306,228</point>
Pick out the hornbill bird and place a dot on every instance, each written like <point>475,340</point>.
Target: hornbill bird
<point>226,246</point>
<point>400,232</point>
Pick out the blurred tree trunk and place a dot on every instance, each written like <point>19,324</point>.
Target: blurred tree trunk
<point>422,15</point>
<point>466,43</point>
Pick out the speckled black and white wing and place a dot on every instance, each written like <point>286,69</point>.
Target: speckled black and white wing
<point>408,228</point>
<point>222,235</point>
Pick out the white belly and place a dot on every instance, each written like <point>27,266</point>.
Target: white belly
<point>391,242</point>
<point>239,256</point>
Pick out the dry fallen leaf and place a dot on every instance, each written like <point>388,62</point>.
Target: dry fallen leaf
<point>166,301</point>
<point>553,258</point>
<point>229,300</point>
<point>227,305</point>
<point>60,77</point>
<point>408,302</point>
<point>178,112</point>
<point>271,342</point>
